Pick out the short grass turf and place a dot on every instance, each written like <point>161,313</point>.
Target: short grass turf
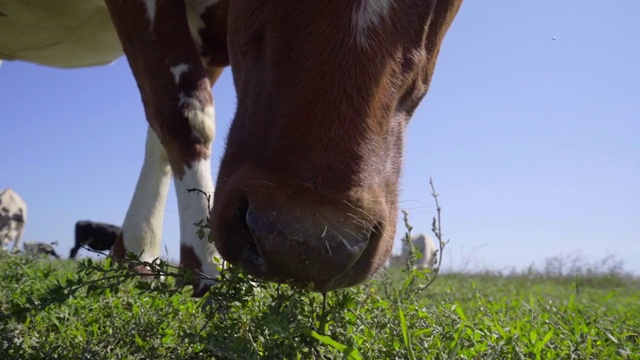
<point>88,310</point>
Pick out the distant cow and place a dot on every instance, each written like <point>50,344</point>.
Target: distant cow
<point>424,245</point>
<point>34,249</point>
<point>94,235</point>
<point>13,217</point>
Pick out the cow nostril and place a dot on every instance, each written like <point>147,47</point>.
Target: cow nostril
<point>258,226</point>
<point>306,246</point>
<point>250,256</point>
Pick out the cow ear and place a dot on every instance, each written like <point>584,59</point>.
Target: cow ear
<point>437,23</point>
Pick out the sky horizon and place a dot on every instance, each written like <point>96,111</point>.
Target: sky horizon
<point>529,131</point>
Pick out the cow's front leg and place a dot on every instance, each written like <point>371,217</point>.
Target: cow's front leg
<point>195,253</point>
<point>176,92</point>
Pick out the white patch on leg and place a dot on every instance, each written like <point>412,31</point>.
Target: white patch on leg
<point>178,70</point>
<point>193,208</point>
<point>142,227</point>
<point>151,10</point>
<point>201,116</point>
<point>369,13</point>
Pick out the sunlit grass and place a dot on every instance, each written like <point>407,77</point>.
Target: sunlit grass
<point>529,315</point>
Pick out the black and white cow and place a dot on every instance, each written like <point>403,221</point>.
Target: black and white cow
<point>94,235</point>
<point>13,217</point>
<point>34,249</point>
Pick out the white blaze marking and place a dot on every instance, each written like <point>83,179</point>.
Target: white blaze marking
<point>151,10</point>
<point>142,227</point>
<point>178,70</point>
<point>369,13</point>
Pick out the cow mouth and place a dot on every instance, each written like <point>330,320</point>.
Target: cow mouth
<point>311,252</point>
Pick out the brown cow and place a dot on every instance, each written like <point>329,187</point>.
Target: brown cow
<point>307,189</point>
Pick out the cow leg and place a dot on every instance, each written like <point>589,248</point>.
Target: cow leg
<point>176,92</point>
<point>73,252</point>
<point>142,229</point>
<point>19,229</point>
<point>54,254</point>
<point>80,237</point>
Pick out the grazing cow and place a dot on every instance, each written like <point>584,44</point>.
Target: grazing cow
<point>308,185</point>
<point>94,235</point>
<point>13,217</point>
<point>426,247</point>
<point>176,50</point>
<point>34,249</point>
<point>307,190</point>
<point>422,244</point>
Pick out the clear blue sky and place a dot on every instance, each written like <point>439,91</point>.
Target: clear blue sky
<point>533,143</point>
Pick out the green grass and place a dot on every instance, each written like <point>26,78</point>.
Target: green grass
<point>89,310</point>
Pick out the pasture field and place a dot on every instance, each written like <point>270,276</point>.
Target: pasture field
<point>91,310</point>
